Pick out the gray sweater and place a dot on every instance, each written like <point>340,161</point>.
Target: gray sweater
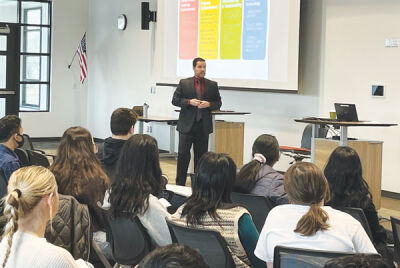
<point>270,183</point>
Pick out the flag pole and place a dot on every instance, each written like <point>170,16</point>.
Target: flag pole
<point>73,58</point>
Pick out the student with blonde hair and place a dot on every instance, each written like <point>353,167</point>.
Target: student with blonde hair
<point>32,201</point>
<point>306,222</point>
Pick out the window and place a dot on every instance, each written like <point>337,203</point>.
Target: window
<point>34,19</point>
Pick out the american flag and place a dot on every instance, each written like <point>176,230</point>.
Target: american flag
<point>82,58</point>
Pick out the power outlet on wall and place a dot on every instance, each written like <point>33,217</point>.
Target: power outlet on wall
<point>153,90</point>
<point>149,129</point>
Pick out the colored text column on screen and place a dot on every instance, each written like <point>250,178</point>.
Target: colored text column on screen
<point>188,28</point>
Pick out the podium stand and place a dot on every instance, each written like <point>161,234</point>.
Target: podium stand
<point>370,152</point>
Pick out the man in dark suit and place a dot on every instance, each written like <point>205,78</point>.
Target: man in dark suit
<point>197,97</point>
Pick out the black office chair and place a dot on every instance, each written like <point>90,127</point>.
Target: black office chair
<point>177,201</point>
<point>38,159</point>
<point>22,156</point>
<point>285,257</point>
<point>3,184</point>
<point>210,244</point>
<point>258,206</point>
<point>396,237</point>
<point>130,242</point>
<point>300,153</point>
<point>167,195</point>
<point>28,145</point>
<point>359,215</point>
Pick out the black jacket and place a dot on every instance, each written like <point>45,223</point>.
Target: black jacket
<point>108,154</point>
<point>186,91</point>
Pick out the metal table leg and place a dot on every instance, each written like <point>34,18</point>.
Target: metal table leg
<point>314,135</point>
<point>343,136</point>
<point>212,136</point>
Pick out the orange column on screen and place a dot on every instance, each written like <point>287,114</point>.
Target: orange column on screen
<point>188,28</point>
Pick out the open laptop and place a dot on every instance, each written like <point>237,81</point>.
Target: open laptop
<point>346,112</point>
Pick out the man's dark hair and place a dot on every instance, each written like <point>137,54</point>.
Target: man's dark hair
<point>173,256</point>
<point>196,60</point>
<point>9,125</point>
<point>122,120</point>
<point>359,261</point>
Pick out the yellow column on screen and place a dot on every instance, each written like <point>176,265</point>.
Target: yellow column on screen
<point>208,29</point>
<point>231,29</point>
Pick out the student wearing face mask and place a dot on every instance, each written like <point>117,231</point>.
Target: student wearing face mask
<point>10,139</point>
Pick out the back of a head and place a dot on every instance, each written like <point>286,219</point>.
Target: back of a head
<point>212,186</point>
<point>173,256</point>
<point>9,125</point>
<point>359,261</point>
<point>266,145</point>
<point>122,119</point>
<point>76,160</point>
<point>76,143</point>
<point>344,174</point>
<point>26,187</point>
<point>137,174</point>
<point>305,184</point>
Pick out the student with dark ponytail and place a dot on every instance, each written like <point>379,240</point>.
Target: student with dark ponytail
<point>306,222</point>
<point>258,177</point>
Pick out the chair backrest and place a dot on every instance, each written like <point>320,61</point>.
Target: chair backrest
<point>38,159</point>
<point>359,215</point>
<point>130,242</point>
<point>177,201</point>
<point>22,156</point>
<point>3,183</point>
<point>258,206</point>
<point>210,244</point>
<point>396,237</point>
<point>28,145</point>
<point>285,257</point>
<point>307,134</point>
<point>166,194</point>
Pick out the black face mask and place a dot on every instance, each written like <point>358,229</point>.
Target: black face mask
<point>20,143</point>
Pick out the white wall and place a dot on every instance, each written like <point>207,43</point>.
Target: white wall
<point>355,59</point>
<point>68,97</point>
<point>119,61</point>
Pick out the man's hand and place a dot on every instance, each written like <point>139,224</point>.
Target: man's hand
<point>195,102</point>
<point>204,104</point>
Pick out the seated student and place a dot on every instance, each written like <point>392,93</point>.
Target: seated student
<point>173,256</point>
<point>10,139</point>
<point>210,207</point>
<point>258,177</point>
<point>344,174</point>
<point>137,183</point>
<point>79,173</point>
<point>359,261</point>
<point>31,202</point>
<point>306,222</point>
<point>122,124</point>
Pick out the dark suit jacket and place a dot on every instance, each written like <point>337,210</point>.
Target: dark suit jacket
<point>186,91</point>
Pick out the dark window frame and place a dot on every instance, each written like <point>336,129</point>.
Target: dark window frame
<point>23,104</point>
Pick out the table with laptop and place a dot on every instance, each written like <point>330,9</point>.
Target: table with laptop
<point>370,152</point>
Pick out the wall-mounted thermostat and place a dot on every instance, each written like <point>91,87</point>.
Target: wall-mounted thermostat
<point>378,90</point>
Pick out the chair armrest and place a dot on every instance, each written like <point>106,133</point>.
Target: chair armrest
<point>101,256</point>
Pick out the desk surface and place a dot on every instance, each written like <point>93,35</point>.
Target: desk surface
<point>217,112</point>
<point>152,118</point>
<point>324,121</point>
<point>182,190</point>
